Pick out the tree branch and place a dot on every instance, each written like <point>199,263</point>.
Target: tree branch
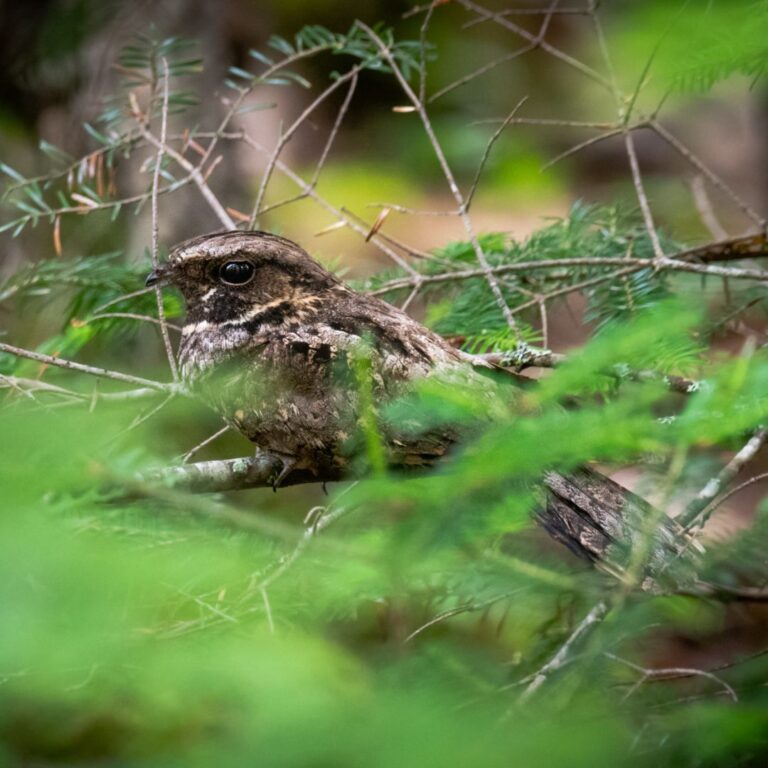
<point>461,201</point>
<point>696,511</point>
<point>156,227</point>
<point>698,259</point>
<point>286,136</point>
<point>92,370</point>
<point>257,471</point>
<point>196,176</point>
<point>564,653</point>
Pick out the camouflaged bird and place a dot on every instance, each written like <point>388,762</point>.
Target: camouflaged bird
<point>271,339</point>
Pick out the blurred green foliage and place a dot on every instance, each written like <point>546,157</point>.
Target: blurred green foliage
<point>690,47</point>
<point>159,629</point>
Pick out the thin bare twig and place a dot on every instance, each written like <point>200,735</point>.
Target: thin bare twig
<point>481,71</point>
<point>451,612</point>
<point>709,219</point>
<point>563,655</point>
<point>423,53</point>
<point>705,209</point>
<point>697,512</point>
<point>410,298</point>
<point>27,387</point>
<point>36,385</point>
<point>208,440</point>
<point>91,370</point>
<point>408,249</point>
<point>574,288</point>
<point>287,135</point>
<point>143,417</point>
<point>580,146</point>
<point>710,175</point>
<point>500,19</point>
<point>316,524</point>
<point>605,126</point>
<point>124,297</point>
<point>414,211</point>
<point>134,316</point>
<point>340,115</point>
<point>725,593</point>
<point>246,91</point>
<point>531,12</point>
<point>670,673</point>
<point>676,263</point>
<point>486,153</point>
<point>448,173</point>
<point>311,192</point>
<point>645,207</point>
<point>312,183</point>
<point>707,512</point>
<point>197,177</point>
<point>156,226</point>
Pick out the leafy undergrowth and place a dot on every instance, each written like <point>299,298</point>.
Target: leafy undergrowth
<point>159,628</point>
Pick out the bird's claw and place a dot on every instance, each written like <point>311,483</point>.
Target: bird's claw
<point>288,465</point>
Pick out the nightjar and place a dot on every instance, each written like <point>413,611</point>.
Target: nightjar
<point>273,341</point>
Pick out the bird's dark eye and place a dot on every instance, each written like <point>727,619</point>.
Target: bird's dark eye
<point>236,272</point>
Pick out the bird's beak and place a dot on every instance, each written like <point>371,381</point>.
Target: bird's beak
<point>155,276</point>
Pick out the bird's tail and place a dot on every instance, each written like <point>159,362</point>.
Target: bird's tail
<point>603,522</point>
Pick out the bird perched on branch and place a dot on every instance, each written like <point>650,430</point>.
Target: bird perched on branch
<point>283,350</point>
<point>286,352</point>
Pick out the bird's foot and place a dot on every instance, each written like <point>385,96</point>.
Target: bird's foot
<point>289,464</point>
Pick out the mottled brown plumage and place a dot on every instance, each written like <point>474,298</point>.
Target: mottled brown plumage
<point>271,339</point>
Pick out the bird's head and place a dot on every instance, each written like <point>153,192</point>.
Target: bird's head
<point>235,277</point>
